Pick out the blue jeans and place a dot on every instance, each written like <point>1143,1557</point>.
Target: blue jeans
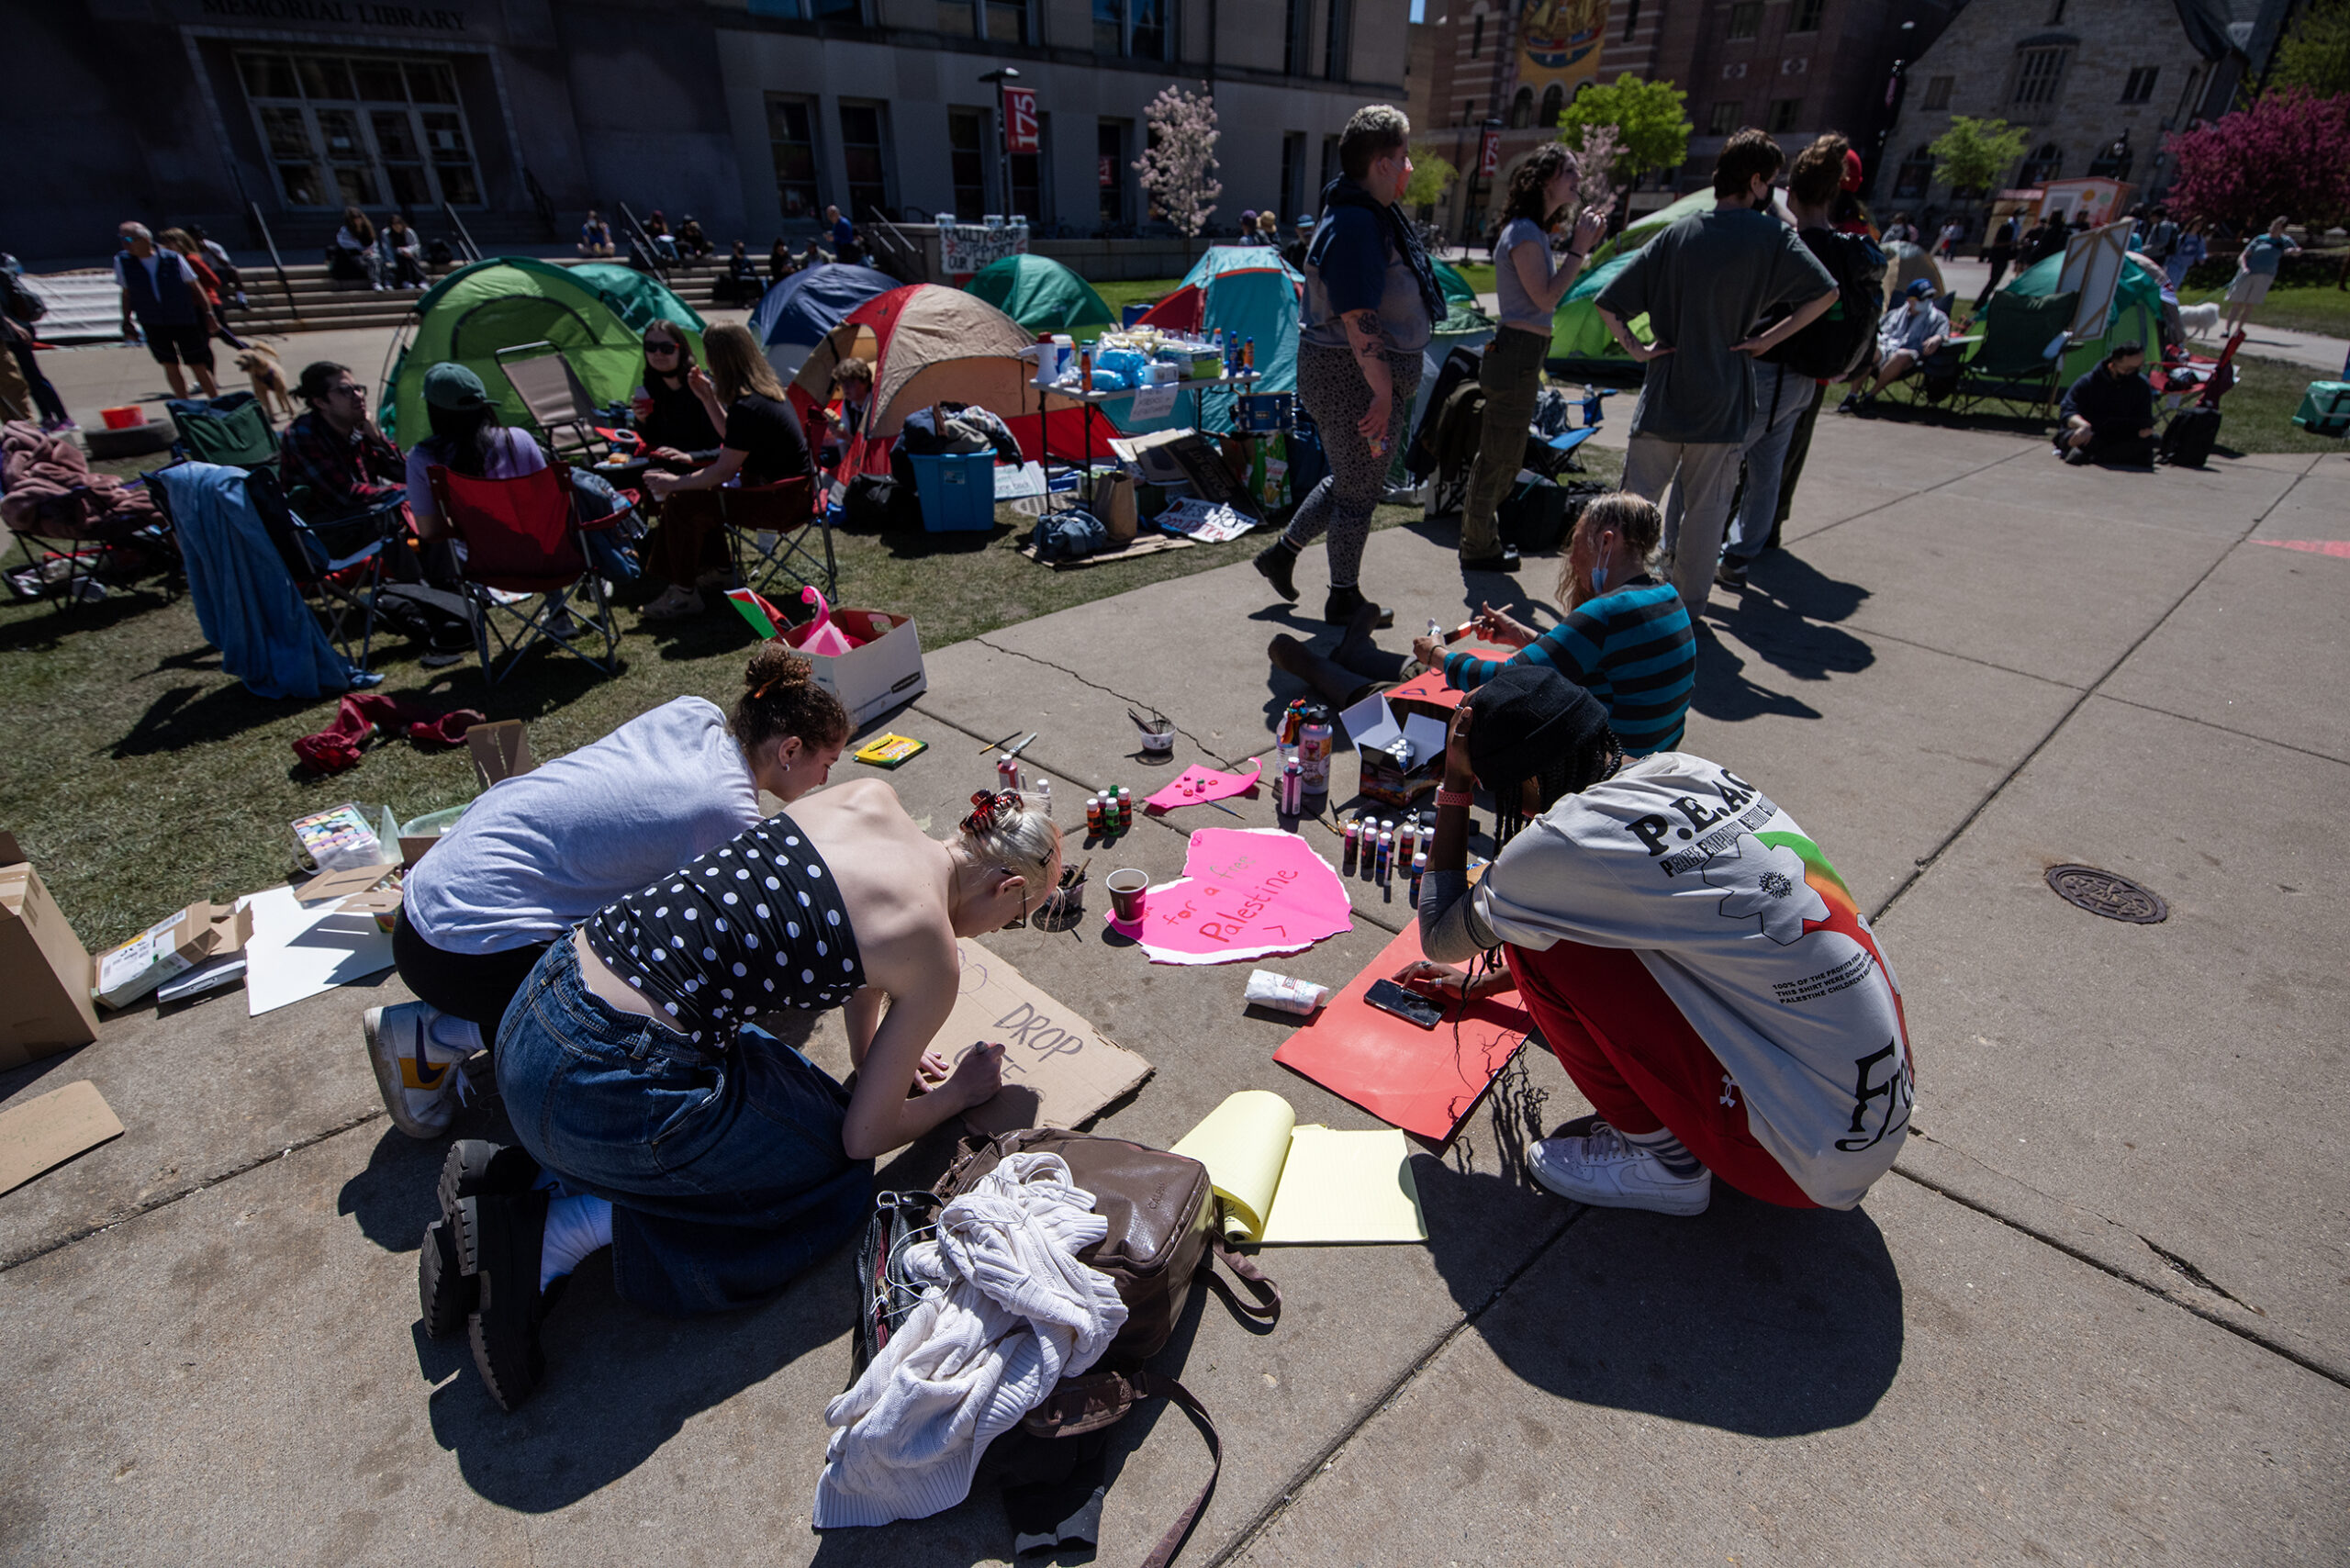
<point>726,1176</point>
<point>1784,396</point>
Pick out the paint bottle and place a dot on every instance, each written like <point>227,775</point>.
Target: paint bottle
<point>1044,798</point>
<point>1093,815</point>
<point>1293,788</point>
<point>1419,870</point>
<point>1354,837</point>
<point>1126,808</point>
<point>1407,843</point>
<point>1386,855</point>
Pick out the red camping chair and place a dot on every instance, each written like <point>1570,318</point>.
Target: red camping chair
<point>767,530</point>
<point>523,537</point>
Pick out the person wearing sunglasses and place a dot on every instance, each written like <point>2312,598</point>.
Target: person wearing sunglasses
<point>674,421</point>
<point>334,461</point>
<point>716,1162</point>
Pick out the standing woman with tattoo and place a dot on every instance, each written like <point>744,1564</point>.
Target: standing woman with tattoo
<point>1372,301</point>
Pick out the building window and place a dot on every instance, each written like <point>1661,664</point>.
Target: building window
<point>2114,160</point>
<point>1938,91</point>
<point>1028,174</point>
<point>1805,15</point>
<point>1917,172</point>
<point>2140,88</point>
<point>959,19</point>
<point>1746,19</point>
<point>1150,38</point>
<point>1329,161</point>
<point>2038,75</point>
<point>1476,35</point>
<point>1338,41</point>
<point>1301,16</point>
<point>1293,171</point>
<point>1724,118</point>
<point>1110,170</point>
<point>1554,101</point>
<point>362,131</point>
<point>791,136</point>
<point>1109,27</point>
<point>1783,113</point>
<point>865,149</point>
<point>2041,166</point>
<point>967,159</point>
<point>1521,108</point>
<point>1007,20</point>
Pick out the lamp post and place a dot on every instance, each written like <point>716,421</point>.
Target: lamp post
<point>996,79</point>
<point>1476,173</point>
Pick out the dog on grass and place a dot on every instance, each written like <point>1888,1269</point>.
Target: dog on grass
<point>268,378</point>
<point>2200,321</point>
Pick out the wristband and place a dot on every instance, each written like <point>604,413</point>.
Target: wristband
<point>1460,798</point>
<point>1580,255</point>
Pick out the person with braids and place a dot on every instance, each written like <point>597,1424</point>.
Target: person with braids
<point>655,1118</point>
<point>1703,975</point>
<point>1529,285</point>
<point>542,851</point>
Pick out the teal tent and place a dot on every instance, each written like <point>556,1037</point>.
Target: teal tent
<point>1251,294</point>
<point>503,303</point>
<point>2135,315</point>
<point>1582,348</point>
<point>1040,294</point>
<point>640,298</point>
<point>1463,316</point>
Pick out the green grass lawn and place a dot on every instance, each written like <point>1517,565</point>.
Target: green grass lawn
<point>1478,274</point>
<point>140,777</point>
<point>2256,415</point>
<point>2324,310</point>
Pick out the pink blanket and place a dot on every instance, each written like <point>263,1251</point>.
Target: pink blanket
<point>51,494</point>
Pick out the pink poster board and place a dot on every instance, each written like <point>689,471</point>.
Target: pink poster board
<point>1196,786</point>
<point>1245,893</point>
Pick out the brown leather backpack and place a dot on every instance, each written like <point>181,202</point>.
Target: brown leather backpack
<point>1164,1237</point>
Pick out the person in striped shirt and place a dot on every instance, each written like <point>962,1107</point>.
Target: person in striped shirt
<point>1626,637</point>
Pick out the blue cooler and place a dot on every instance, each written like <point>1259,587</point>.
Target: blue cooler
<point>957,491</point>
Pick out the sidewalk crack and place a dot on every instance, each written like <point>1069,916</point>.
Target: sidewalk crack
<point>2196,1276</point>
<point>1215,756</point>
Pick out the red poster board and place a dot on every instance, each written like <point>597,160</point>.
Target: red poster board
<point>1425,1082</point>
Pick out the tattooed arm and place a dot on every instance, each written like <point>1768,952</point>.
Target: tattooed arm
<point>1362,341</point>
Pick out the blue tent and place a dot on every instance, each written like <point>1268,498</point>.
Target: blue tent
<point>798,313</point>
<point>1249,292</point>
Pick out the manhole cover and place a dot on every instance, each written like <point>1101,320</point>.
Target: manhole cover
<point>2102,892</point>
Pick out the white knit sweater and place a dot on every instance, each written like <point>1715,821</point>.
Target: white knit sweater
<point>1007,1311</point>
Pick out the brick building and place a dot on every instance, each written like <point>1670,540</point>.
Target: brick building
<point>1792,67</point>
<point>2098,84</point>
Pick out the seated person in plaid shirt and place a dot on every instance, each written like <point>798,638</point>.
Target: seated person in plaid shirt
<point>333,459</point>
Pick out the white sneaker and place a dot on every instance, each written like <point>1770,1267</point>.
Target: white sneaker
<point>421,1080</point>
<point>1605,1172</point>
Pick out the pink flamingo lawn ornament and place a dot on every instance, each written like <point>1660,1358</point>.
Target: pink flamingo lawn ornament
<point>822,637</point>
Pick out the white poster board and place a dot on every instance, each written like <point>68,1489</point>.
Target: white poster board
<point>2093,265</point>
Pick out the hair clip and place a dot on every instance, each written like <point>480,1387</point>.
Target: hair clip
<point>988,806</point>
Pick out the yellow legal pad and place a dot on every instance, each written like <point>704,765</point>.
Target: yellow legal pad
<point>1286,1184</point>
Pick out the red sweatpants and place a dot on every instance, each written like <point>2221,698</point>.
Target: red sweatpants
<point>1640,1063</point>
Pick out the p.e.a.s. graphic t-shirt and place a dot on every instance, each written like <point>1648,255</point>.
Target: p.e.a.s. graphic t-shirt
<point>1754,936</point>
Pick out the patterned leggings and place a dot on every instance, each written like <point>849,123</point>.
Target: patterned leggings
<point>1338,397</point>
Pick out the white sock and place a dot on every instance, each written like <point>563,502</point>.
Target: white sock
<point>450,1033</point>
<point>576,1227</point>
<point>1669,1151</point>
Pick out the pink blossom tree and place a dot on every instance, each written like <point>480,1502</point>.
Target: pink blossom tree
<point>1596,161</point>
<point>1178,168</point>
<point>2286,155</point>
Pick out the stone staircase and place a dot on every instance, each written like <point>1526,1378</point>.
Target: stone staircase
<point>320,304</point>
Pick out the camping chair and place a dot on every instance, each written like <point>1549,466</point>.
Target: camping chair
<point>2022,356</point>
<point>522,537</point>
<point>553,395</point>
<point>232,430</point>
<point>339,564</point>
<point>767,531</point>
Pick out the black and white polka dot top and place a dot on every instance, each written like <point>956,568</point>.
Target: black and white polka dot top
<point>754,927</point>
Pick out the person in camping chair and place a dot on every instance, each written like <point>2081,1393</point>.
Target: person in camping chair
<point>334,461</point>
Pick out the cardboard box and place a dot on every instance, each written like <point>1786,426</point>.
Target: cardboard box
<point>1113,503</point>
<point>340,837</point>
<point>45,973</point>
<point>1401,759</point>
<point>885,670</point>
<point>1186,458</point>
<point>197,934</point>
<point>501,750</point>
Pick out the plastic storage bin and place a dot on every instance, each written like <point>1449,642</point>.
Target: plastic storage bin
<point>957,491</point>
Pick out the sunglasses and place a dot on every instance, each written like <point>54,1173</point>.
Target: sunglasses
<point>350,389</point>
<point>660,348</point>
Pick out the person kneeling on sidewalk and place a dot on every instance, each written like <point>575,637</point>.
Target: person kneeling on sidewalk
<point>2110,412</point>
<point>540,852</point>
<point>653,1116</point>
<point>1703,973</point>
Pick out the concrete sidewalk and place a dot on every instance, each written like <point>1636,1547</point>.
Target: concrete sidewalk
<point>2096,1313</point>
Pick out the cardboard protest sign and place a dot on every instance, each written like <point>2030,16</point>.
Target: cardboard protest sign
<point>1059,1071</point>
<point>1422,1080</point>
<point>1245,893</point>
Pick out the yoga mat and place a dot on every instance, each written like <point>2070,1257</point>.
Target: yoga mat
<point>1422,1080</point>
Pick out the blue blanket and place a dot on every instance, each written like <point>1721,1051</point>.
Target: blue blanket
<point>245,602</point>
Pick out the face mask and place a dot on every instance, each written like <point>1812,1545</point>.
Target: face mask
<point>1598,578</point>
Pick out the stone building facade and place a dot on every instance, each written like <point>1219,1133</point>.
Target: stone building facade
<point>2099,85</point>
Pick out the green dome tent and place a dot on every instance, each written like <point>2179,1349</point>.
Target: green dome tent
<point>1462,314</point>
<point>503,303</point>
<point>1040,294</point>
<point>1582,348</point>
<point>2135,315</point>
<point>640,298</point>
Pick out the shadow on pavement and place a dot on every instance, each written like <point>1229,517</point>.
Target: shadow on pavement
<point>1725,692</point>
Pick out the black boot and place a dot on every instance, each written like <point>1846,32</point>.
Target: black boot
<point>1344,604</point>
<point>1278,561</point>
<point>475,1167</point>
<point>500,1238</point>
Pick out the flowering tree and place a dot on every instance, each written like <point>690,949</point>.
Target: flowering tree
<point>1596,163</point>
<point>1179,166</point>
<point>2286,155</point>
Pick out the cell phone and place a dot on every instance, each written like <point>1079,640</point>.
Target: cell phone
<point>1410,1006</point>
